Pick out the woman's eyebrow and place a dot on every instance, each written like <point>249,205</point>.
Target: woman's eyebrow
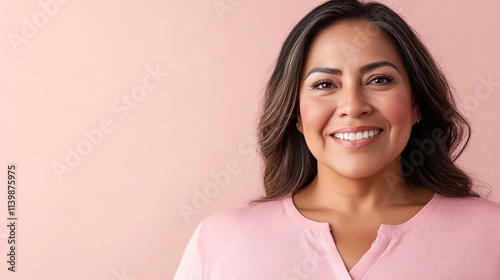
<point>362,70</point>
<point>369,67</point>
<point>327,70</point>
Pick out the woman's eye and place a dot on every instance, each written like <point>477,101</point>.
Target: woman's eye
<point>381,80</point>
<point>322,85</point>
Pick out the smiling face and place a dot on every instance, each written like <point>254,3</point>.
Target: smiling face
<point>356,107</point>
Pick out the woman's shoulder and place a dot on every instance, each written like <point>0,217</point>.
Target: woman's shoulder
<point>469,203</point>
<point>471,209</point>
<point>253,216</point>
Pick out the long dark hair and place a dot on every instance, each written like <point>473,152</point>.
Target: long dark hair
<point>428,160</point>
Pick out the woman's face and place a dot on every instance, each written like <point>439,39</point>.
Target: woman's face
<point>356,106</point>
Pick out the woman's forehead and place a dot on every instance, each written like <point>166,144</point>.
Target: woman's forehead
<point>353,43</point>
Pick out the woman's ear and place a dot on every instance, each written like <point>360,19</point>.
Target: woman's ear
<point>299,124</point>
<point>416,111</point>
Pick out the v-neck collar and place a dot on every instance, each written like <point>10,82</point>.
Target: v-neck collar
<point>384,235</point>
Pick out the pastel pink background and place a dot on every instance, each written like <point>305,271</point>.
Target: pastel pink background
<point>116,215</point>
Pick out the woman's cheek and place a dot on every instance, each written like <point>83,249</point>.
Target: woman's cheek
<point>395,107</point>
<point>315,114</point>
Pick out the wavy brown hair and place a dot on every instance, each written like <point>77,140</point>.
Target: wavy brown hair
<point>428,160</point>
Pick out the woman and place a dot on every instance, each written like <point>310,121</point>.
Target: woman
<point>359,134</point>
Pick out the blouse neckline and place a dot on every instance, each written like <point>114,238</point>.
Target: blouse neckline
<point>390,229</point>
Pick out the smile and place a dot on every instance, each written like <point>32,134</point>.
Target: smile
<point>357,136</point>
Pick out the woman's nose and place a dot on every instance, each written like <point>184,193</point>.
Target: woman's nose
<point>353,102</point>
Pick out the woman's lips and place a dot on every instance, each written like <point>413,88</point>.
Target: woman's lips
<point>356,137</point>
<point>360,135</point>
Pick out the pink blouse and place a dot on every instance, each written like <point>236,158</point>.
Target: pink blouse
<point>449,238</point>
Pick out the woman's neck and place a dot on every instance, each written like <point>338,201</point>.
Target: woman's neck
<point>387,188</point>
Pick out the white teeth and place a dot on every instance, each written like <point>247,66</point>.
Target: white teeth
<point>357,136</point>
